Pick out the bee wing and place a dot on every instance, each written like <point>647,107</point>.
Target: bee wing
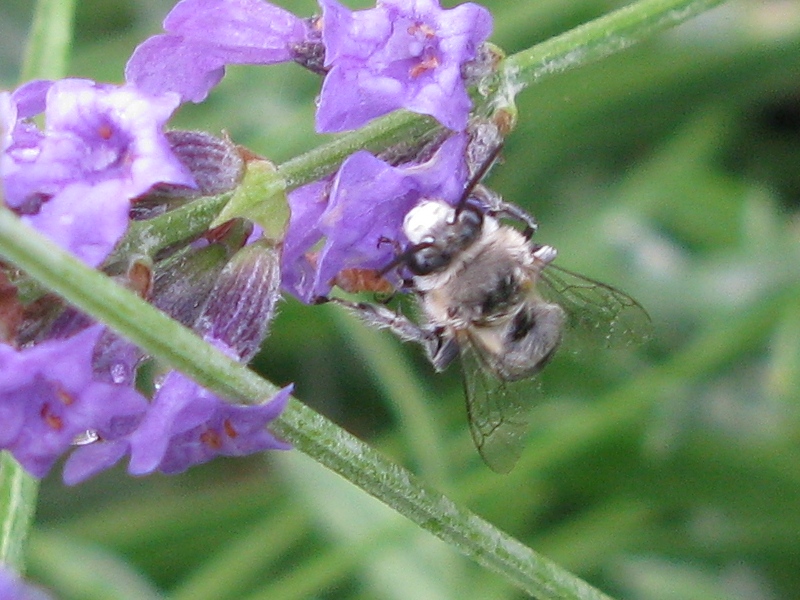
<point>606,314</point>
<point>498,411</point>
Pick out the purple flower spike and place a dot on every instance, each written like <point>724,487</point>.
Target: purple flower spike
<point>401,54</point>
<point>366,206</point>
<point>205,35</point>
<point>102,146</point>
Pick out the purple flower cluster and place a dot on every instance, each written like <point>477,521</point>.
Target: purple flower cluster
<point>52,400</point>
<point>401,54</point>
<point>101,147</point>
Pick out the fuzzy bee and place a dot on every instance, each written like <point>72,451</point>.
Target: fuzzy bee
<point>490,296</point>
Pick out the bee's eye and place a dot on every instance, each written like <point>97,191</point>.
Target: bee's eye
<point>428,259</point>
<point>470,222</point>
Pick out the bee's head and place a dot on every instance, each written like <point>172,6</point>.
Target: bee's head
<point>437,233</point>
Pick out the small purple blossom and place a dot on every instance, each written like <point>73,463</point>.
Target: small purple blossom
<point>102,145</point>
<point>184,425</point>
<point>205,35</point>
<point>401,54</point>
<point>188,425</point>
<point>49,397</point>
<point>366,205</point>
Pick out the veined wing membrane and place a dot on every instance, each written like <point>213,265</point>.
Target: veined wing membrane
<point>607,315</point>
<point>498,410</point>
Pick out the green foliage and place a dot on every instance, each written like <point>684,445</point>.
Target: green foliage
<point>666,471</point>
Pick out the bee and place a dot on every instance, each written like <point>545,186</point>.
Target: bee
<point>491,297</point>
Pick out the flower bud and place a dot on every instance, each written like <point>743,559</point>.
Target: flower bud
<point>215,163</point>
<point>242,304</point>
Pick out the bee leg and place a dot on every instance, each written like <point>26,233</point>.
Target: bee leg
<point>436,347</point>
<point>446,350</point>
<point>499,207</point>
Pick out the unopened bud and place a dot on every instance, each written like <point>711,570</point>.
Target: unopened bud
<point>242,304</point>
<point>215,163</point>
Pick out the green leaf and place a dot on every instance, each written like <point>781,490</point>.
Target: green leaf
<point>261,198</point>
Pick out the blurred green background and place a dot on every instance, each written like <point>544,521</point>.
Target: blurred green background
<point>667,471</point>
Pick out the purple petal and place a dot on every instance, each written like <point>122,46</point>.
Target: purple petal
<point>102,146</point>
<point>87,220</point>
<point>169,63</point>
<point>205,35</point>
<point>306,204</point>
<point>30,97</point>
<point>254,26</point>
<point>179,405</point>
<point>232,431</point>
<point>368,201</point>
<point>188,425</point>
<point>58,400</point>
<point>87,461</point>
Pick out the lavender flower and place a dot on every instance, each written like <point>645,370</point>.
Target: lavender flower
<point>401,54</point>
<point>102,145</point>
<point>49,397</point>
<point>366,204</point>
<point>188,425</point>
<point>184,426</point>
<point>205,35</point>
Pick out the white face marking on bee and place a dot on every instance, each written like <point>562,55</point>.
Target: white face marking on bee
<point>424,218</point>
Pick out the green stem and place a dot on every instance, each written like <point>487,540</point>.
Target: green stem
<point>17,503</point>
<point>378,135</point>
<point>599,38</point>
<point>49,41</point>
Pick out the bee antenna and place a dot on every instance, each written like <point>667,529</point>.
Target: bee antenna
<point>476,177</point>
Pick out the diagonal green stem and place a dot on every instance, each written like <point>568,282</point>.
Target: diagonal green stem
<point>599,38</point>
